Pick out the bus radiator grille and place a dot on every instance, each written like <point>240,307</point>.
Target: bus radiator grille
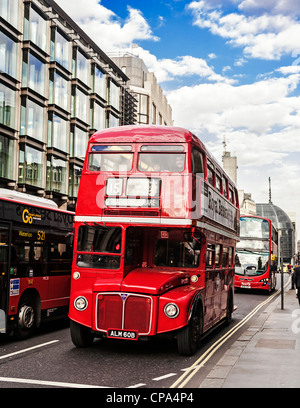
<point>124,311</point>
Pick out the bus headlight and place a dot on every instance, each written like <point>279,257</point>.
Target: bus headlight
<point>171,310</point>
<point>80,303</point>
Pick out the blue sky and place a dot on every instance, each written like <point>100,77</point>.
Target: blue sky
<point>229,68</point>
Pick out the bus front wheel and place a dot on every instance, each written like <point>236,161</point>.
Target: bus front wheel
<point>189,338</point>
<point>81,335</point>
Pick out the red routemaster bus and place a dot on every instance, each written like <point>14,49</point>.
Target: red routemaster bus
<point>256,259</point>
<point>35,262</point>
<point>156,224</point>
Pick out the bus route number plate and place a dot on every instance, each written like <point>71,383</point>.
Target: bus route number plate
<point>122,334</point>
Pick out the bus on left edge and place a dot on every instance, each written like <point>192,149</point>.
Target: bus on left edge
<point>35,262</point>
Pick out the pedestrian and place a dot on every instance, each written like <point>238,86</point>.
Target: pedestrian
<point>297,281</point>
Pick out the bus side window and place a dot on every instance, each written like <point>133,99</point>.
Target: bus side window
<point>218,183</point>
<point>210,176</point>
<point>210,255</point>
<point>230,258</point>
<point>197,162</point>
<point>225,257</point>
<point>224,181</point>
<point>217,255</point>
<point>231,196</point>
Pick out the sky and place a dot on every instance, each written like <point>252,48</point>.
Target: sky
<point>230,70</point>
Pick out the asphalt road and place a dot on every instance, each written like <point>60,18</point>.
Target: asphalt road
<point>49,359</point>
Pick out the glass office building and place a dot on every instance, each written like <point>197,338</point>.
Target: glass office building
<point>57,87</point>
<point>284,225</point>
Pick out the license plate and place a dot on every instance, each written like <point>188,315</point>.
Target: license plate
<point>246,285</point>
<point>122,334</point>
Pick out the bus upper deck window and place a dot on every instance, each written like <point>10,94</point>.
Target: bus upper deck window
<point>110,158</point>
<point>165,158</point>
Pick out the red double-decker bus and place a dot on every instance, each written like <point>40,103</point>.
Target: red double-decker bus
<point>156,225</point>
<point>35,262</point>
<point>256,259</point>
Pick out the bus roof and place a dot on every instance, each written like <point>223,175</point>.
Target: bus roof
<point>27,198</point>
<point>145,133</point>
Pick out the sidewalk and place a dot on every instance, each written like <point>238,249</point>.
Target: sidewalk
<point>267,354</point>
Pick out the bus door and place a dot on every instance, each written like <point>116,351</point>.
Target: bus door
<point>4,265</point>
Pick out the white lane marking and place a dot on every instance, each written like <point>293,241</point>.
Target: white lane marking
<point>137,385</point>
<point>164,376</point>
<point>48,383</point>
<point>28,349</point>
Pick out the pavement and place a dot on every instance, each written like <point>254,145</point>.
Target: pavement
<point>266,354</point>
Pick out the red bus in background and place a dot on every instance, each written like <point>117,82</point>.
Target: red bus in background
<point>35,262</point>
<point>156,225</point>
<point>256,259</point>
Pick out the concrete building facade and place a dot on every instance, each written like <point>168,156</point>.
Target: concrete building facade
<point>153,107</point>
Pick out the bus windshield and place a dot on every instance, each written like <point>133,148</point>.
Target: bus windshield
<point>251,263</point>
<point>100,240</point>
<point>175,254</point>
<point>254,228</point>
<point>110,158</point>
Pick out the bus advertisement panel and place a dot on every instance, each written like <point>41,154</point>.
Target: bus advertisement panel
<point>35,262</point>
<point>156,224</point>
<point>256,259</point>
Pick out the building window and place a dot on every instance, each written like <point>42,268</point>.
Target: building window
<point>59,91</point>
<point>6,157</point>
<point>8,55</point>
<point>35,28</point>
<point>81,67</point>
<point>7,106</point>
<point>114,95</point>
<point>9,10</point>
<point>98,82</point>
<point>153,114</point>
<point>57,132</point>
<point>34,72</point>
<point>80,105</point>
<point>78,143</point>
<point>30,166</point>
<point>112,120</point>
<point>56,175</point>
<point>74,179</point>
<point>32,119</point>
<point>97,116</point>
<point>60,50</point>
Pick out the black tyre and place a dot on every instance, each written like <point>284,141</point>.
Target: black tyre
<point>81,335</point>
<point>189,338</point>
<point>26,318</point>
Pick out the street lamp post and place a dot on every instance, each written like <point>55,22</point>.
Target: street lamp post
<point>280,251</point>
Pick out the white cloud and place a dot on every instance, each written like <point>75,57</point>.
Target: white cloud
<point>264,36</point>
<point>261,121</point>
<point>104,27</point>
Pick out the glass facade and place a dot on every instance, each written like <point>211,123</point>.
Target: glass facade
<point>31,166</point>
<point>9,11</point>
<point>6,157</point>
<point>60,50</point>
<point>56,175</point>
<point>53,94</point>
<point>7,106</point>
<point>32,120</point>
<point>59,91</point>
<point>57,132</point>
<point>33,73</point>
<point>35,28</point>
<point>80,105</point>
<point>8,55</point>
